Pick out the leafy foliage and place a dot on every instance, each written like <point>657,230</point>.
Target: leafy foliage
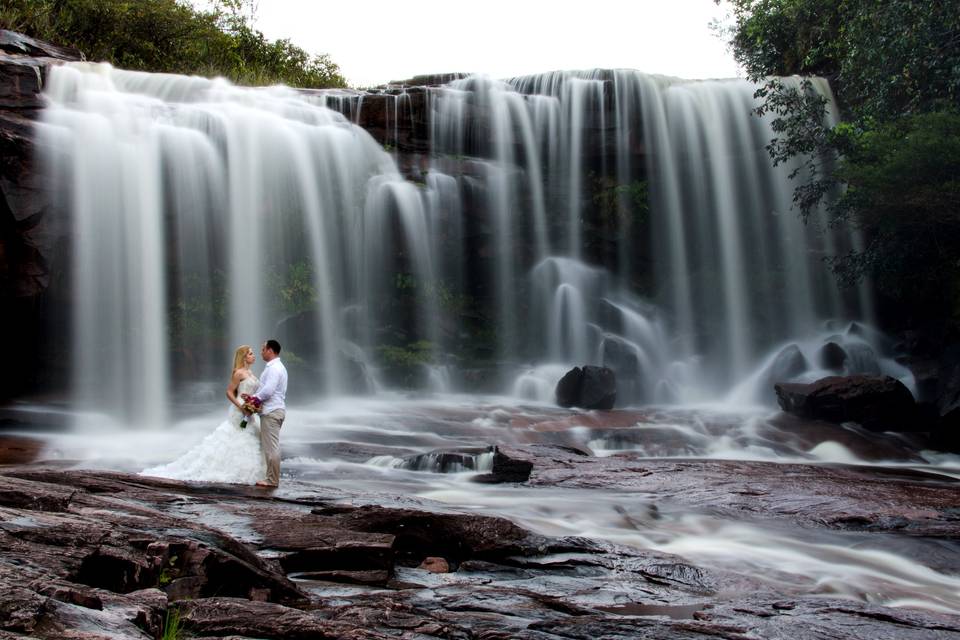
<point>295,288</point>
<point>785,37</point>
<point>411,355</point>
<point>617,203</point>
<point>167,575</point>
<point>200,307</point>
<point>895,68</point>
<point>887,58</point>
<point>903,185</point>
<point>171,36</point>
<point>900,57</point>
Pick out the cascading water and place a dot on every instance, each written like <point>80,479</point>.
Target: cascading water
<point>200,208</point>
<point>603,217</point>
<point>734,269</point>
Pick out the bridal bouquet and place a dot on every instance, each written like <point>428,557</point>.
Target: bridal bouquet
<point>253,404</point>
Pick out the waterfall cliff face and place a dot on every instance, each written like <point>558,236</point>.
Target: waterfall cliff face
<point>604,217</point>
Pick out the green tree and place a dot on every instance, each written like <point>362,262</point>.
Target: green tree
<point>895,70</point>
<point>885,58</point>
<point>172,36</point>
<point>902,183</point>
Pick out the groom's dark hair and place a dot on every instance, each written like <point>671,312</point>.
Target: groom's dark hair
<point>274,346</point>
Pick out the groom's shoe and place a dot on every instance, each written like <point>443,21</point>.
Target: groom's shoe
<point>267,484</point>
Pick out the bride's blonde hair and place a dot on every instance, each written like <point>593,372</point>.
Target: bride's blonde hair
<point>239,356</point>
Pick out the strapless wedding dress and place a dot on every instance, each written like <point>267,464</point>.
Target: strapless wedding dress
<point>229,454</point>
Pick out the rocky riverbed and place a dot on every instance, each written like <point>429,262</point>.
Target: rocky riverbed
<point>100,554</point>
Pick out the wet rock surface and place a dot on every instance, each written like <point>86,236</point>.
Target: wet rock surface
<point>587,387</point>
<point>95,554</point>
<point>18,43</point>
<point>831,356</point>
<point>31,236</point>
<point>879,403</point>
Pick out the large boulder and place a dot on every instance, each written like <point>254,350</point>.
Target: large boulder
<point>787,365</point>
<point>588,387</point>
<point>831,356</point>
<point>624,359</point>
<point>879,403</point>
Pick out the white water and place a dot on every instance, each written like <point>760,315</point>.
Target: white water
<point>385,447</point>
<point>208,215</point>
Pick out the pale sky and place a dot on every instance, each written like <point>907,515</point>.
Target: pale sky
<point>375,41</point>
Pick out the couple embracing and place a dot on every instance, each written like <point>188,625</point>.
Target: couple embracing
<point>245,448</point>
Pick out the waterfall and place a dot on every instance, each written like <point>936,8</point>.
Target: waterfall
<point>205,215</point>
<point>735,271</point>
<point>567,218</point>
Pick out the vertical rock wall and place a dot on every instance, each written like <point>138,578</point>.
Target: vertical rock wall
<point>31,236</point>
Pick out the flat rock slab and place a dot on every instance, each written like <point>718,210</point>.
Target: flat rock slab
<point>97,555</point>
<point>825,495</point>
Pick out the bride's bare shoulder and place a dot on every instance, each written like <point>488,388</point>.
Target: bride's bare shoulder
<point>240,374</point>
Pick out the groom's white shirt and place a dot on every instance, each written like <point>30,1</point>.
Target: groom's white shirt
<point>273,387</point>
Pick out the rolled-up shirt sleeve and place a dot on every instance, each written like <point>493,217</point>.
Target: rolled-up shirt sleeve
<point>268,385</point>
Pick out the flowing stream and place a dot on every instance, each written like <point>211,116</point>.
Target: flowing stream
<point>382,446</point>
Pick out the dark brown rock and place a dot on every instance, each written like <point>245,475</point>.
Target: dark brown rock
<point>435,565</point>
<point>831,356</point>
<point>509,465</point>
<point>18,43</point>
<point>372,577</point>
<point>34,496</point>
<point>29,235</point>
<point>230,616</point>
<point>419,534</point>
<point>117,569</point>
<point>19,450</point>
<point>588,387</point>
<point>879,403</point>
<point>599,388</point>
<point>23,83</point>
<point>508,582</point>
<point>20,608</point>
<point>568,387</point>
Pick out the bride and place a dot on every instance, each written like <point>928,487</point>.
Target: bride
<point>230,453</point>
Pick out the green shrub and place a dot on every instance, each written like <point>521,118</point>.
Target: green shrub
<point>411,355</point>
<point>171,625</point>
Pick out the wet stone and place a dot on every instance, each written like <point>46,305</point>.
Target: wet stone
<point>831,356</point>
<point>879,403</point>
<point>115,557</point>
<point>435,565</point>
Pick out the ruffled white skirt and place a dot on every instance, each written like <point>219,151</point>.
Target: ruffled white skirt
<point>229,454</point>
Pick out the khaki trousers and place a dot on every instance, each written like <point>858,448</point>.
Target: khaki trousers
<point>270,424</point>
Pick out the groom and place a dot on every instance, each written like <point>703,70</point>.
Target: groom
<point>272,392</point>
